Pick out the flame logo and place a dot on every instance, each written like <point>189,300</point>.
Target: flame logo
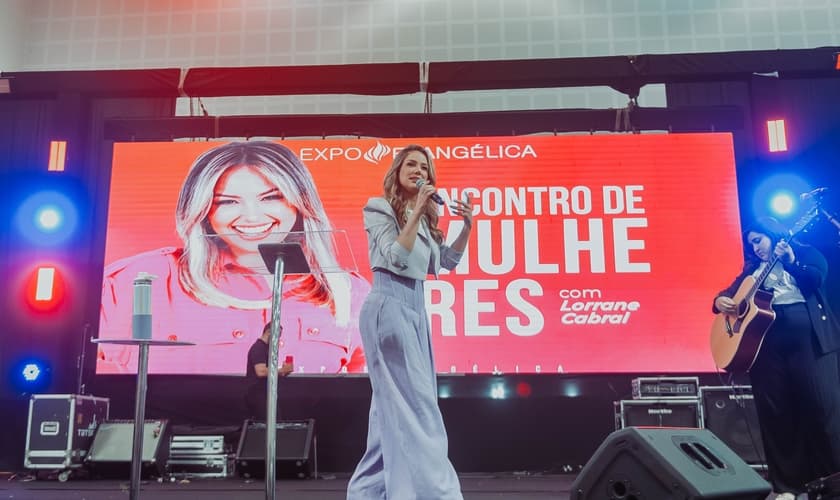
<point>376,153</point>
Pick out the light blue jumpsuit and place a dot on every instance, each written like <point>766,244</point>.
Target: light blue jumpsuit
<point>406,456</point>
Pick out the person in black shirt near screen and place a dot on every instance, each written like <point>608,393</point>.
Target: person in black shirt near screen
<point>257,375</point>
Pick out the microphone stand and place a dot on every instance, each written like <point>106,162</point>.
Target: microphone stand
<point>833,220</point>
<point>80,362</point>
<point>818,195</point>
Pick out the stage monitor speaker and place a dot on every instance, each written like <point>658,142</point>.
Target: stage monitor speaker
<point>729,412</point>
<point>110,453</point>
<point>655,463</point>
<point>295,449</point>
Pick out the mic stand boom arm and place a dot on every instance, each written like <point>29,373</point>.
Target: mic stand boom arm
<point>833,220</point>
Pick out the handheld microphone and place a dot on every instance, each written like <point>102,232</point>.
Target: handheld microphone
<point>816,193</point>
<point>435,197</point>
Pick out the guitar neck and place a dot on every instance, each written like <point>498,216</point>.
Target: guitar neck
<point>763,276</point>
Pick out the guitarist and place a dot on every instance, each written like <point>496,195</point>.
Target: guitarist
<point>795,378</point>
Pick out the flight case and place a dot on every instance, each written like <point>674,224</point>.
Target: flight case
<point>60,430</point>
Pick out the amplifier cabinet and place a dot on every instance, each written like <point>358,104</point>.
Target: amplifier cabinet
<point>295,449</point>
<point>110,453</point>
<point>670,412</point>
<point>729,412</point>
<point>60,429</point>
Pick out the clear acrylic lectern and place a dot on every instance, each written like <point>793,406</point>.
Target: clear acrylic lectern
<point>294,253</point>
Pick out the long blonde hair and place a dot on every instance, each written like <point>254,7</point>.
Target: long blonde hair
<point>202,264</point>
<point>396,195</point>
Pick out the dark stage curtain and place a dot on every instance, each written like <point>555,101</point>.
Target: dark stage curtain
<point>27,125</point>
<point>26,128</point>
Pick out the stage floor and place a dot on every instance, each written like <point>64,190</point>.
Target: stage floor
<point>330,487</point>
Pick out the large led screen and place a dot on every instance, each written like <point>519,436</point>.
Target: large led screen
<point>597,253</point>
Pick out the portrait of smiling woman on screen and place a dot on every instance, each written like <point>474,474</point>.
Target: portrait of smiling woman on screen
<point>235,197</point>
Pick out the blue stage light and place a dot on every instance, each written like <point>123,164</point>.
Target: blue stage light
<point>47,218</point>
<point>30,376</point>
<point>31,372</point>
<point>782,204</point>
<point>778,195</point>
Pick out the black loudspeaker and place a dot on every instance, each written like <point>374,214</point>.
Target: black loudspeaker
<point>295,449</point>
<point>110,453</point>
<point>673,412</point>
<point>657,463</point>
<point>729,412</point>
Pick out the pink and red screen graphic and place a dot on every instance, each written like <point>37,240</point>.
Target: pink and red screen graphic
<point>588,253</point>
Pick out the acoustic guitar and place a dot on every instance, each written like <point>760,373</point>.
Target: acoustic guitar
<point>736,338</point>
